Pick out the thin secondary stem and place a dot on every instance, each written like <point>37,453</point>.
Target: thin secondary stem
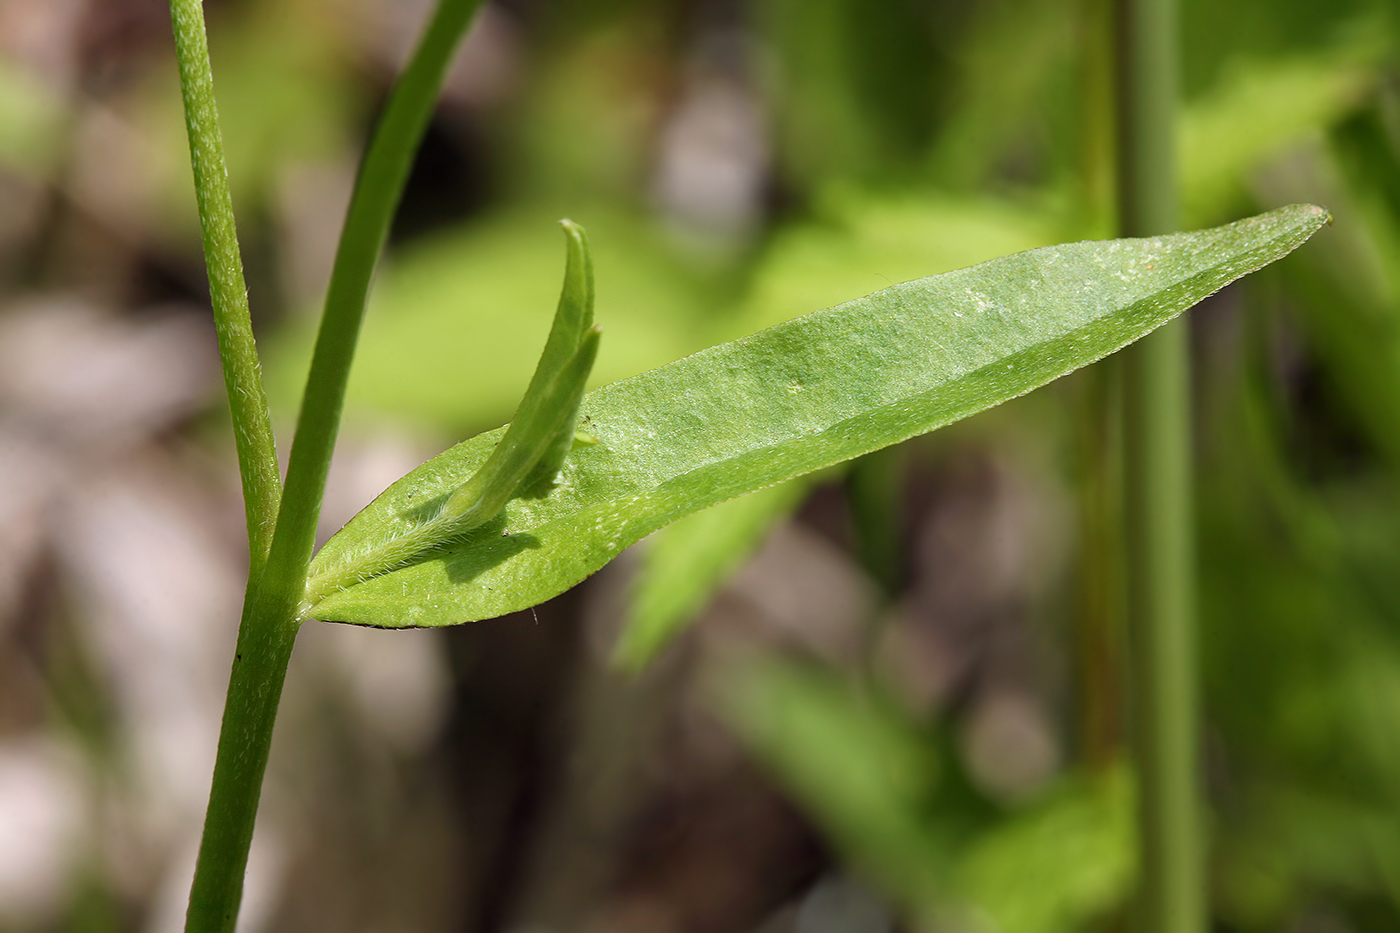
<point>875,490</point>
<point>1161,572</point>
<point>269,625</point>
<point>1101,609</point>
<point>252,426</point>
<point>875,487</point>
<point>383,174</point>
<point>1099,628</point>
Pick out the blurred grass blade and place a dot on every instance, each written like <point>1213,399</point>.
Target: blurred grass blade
<point>1346,290</point>
<point>689,560</point>
<point>1262,110</point>
<point>867,776</point>
<point>1059,865</point>
<point>787,401</point>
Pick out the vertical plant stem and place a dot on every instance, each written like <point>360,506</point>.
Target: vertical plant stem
<point>1161,577</point>
<point>272,612</point>
<point>875,487</point>
<point>1101,611</point>
<point>875,490</point>
<point>265,641</point>
<point>252,426</point>
<point>1099,630</point>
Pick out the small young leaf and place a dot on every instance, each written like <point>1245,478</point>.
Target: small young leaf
<point>546,414</point>
<point>786,401</point>
<point>571,322</point>
<point>535,443</point>
<point>531,450</point>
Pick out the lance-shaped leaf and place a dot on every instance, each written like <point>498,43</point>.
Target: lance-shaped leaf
<point>786,401</point>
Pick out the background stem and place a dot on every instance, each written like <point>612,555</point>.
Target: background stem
<point>252,426</point>
<point>270,621</point>
<point>1100,648</point>
<point>875,489</point>
<point>1161,579</point>
<point>875,486</point>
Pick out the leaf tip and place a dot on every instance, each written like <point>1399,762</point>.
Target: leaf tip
<point>1320,216</point>
<point>573,230</point>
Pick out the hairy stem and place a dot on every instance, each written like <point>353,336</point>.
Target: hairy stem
<point>1161,572</point>
<point>269,625</point>
<point>252,426</point>
<point>265,642</point>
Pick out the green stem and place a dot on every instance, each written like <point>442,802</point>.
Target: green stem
<point>1101,610</point>
<point>265,642</point>
<point>252,426</point>
<point>383,174</point>
<point>874,491</point>
<point>269,625</point>
<point>1099,622</point>
<point>1161,572</point>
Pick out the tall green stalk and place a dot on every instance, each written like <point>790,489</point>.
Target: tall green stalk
<point>1100,612</point>
<point>1161,577</point>
<point>270,620</point>
<point>252,426</point>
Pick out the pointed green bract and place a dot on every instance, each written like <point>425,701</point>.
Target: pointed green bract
<point>526,460</point>
<point>786,401</point>
<point>536,442</point>
<point>571,322</point>
<point>547,414</point>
